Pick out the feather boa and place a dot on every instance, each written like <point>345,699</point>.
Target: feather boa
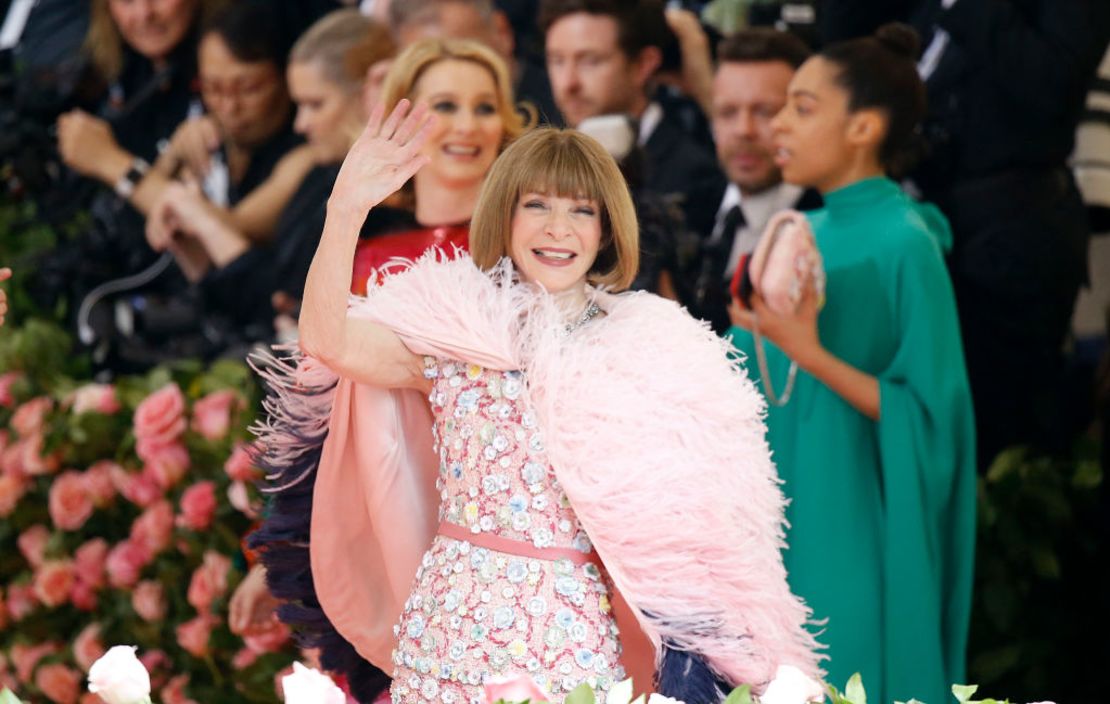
<point>653,430</point>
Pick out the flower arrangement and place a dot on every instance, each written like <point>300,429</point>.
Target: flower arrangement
<point>122,508</point>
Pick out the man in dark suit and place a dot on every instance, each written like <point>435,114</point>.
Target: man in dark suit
<point>754,69</point>
<point>601,59</point>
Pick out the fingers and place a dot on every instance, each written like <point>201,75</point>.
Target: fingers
<point>412,124</point>
<point>740,316</point>
<point>374,124</point>
<point>5,274</point>
<point>394,119</point>
<point>416,143</point>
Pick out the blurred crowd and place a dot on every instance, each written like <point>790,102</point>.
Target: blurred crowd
<point>203,136</point>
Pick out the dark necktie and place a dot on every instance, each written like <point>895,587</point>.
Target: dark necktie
<point>711,292</point>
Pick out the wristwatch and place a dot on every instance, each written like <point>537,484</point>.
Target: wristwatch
<point>126,183</point>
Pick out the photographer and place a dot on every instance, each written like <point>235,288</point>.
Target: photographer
<point>145,54</point>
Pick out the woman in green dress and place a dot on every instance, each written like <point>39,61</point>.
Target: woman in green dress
<point>876,443</point>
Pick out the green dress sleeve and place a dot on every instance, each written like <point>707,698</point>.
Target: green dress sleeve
<point>927,450</point>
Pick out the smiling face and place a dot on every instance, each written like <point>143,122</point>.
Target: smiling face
<point>469,128</point>
<point>153,27</point>
<point>555,239</point>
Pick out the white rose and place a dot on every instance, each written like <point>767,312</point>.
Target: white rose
<point>119,678</point>
<point>791,686</point>
<point>308,686</point>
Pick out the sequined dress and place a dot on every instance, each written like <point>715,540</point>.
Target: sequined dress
<point>478,613</point>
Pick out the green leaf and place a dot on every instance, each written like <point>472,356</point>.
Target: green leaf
<point>740,695</point>
<point>854,691</point>
<point>582,694</point>
<point>964,692</point>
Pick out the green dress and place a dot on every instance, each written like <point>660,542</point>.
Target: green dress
<point>882,515</point>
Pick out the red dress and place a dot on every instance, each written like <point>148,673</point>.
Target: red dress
<point>375,253</point>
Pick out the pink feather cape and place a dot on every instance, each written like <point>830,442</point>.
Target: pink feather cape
<point>653,430</point>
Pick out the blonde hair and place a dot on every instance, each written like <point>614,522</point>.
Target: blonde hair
<point>569,164</point>
<point>104,43</point>
<point>344,44</point>
<point>411,64</point>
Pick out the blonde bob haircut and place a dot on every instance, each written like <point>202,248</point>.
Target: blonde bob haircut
<point>411,64</point>
<point>568,164</point>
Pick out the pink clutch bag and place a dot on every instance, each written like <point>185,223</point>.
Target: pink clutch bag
<point>785,261</point>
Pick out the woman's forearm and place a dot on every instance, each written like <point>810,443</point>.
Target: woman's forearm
<point>324,307</point>
<point>859,389</point>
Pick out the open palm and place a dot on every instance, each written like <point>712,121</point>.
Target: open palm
<point>384,157</point>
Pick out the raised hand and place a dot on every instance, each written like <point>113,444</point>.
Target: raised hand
<point>383,158</point>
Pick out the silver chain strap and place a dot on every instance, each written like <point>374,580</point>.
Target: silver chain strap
<point>768,386</point>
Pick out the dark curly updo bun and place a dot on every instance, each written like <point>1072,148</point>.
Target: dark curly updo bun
<point>900,39</point>
<point>880,73</point>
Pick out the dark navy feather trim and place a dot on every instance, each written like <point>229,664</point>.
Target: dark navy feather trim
<point>282,541</point>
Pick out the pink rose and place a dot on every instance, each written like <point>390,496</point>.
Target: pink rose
<point>154,528</point>
<point>198,506</point>
<point>244,659</point>
<point>125,561</point>
<point>139,489</point>
<point>156,663</point>
<point>26,657</point>
<point>53,582</point>
<point>268,638</point>
<point>60,684</point>
<point>32,461</point>
<point>12,489</point>
<point>21,601</point>
<point>149,600</point>
<point>28,419</point>
<point>515,689</point>
<point>193,635</point>
<point>70,503</point>
<point>7,379</point>
<point>174,691</point>
<point>209,581</point>
<point>99,482</point>
<point>32,544</point>
<point>96,398</point>
<point>212,414</point>
<point>88,562</point>
<point>11,460</point>
<point>166,464</point>
<point>240,466</point>
<point>83,596</point>
<point>159,420</point>
<point>87,647</point>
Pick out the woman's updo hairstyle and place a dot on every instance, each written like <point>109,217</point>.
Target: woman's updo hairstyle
<point>880,72</point>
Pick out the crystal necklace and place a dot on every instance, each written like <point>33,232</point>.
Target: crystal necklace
<point>589,314</point>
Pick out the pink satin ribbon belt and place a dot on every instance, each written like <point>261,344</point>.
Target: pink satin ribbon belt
<point>516,547</point>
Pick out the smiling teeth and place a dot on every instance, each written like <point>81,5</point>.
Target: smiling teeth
<point>468,151</point>
<point>554,255</point>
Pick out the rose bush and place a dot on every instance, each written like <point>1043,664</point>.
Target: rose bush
<point>116,526</point>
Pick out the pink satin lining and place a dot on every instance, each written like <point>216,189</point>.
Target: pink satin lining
<point>516,547</point>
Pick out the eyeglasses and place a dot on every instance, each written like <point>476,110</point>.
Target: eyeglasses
<point>239,88</point>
